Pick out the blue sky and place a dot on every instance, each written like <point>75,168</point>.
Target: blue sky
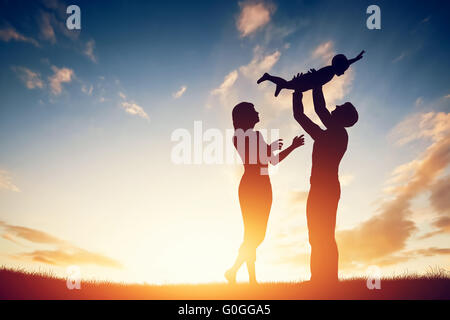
<point>85,137</point>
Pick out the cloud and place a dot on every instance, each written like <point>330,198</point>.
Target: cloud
<point>440,202</point>
<point>6,182</point>
<point>31,235</point>
<point>62,254</point>
<point>180,92</point>
<point>260,63</point>
<point>385,234</point>
<point>253,16</point>
<point>440,195</point>
<point>61,75</point>
<point>399,58</point>
<point>432,251</point>
<point>324,51</point>
<point>52,21</point>
<point>134,109</point>
<point>122,95</point>
<point>131,107</point>
<point>57,5</point>
<point>31,79</point>
<point>430,125</point>
<point>66,257</point>
<point>227,83</point>
<point>46,29</point>
<point>418,102</point>
<point>10,33</point>
<point>87,90</point>
<point>89,51</point>
<point>375,239</point>
<point>297,259</point>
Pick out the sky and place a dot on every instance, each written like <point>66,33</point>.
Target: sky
<point>88,120</point>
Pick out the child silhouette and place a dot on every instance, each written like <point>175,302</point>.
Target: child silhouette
<point>304,82</point>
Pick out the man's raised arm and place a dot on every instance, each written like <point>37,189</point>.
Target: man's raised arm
<point>320,106</point>
<point>310,127</point>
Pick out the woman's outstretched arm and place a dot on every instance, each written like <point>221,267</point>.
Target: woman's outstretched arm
<point>296,142</point>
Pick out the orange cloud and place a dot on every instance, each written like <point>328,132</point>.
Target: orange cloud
<point>63,254</point>
<point>31,235</point>
<point>386,233</point>
<point>31,79</point>
<point>440,197</point>
<point>324,51</point>
<point>134,109</point>
<point>6,182</point>
<point>74,256</point>
<point>46,28</point>
<point>260,63</point>
<point>10,33</point>
<point>89,50</point>
<point>180,92</point>
<point>253,16</point>
<point>61,75</point>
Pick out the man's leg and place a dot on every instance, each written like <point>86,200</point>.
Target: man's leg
<point>321,216</point>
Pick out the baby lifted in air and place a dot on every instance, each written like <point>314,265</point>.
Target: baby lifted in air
<point>304,82</point>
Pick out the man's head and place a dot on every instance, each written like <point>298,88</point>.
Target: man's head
<point>340,64</point>
<point>345,115</point>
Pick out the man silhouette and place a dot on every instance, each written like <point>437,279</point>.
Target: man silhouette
<point>328,150</point>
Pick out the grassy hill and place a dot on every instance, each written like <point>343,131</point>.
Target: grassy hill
<point>23,285</point>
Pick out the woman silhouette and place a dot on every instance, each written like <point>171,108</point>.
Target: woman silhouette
<point>255,190</point>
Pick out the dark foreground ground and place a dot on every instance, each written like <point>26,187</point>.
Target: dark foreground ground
<point>22,285</point>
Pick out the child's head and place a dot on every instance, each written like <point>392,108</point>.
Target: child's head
<point>340,64</point>
<point>345,115</point>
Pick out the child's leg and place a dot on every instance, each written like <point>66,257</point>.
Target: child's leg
<point>277,80</point>
<point>280,82</point>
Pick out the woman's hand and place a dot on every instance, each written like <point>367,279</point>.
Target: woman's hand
<point>298,141</point>
<point>276,145</point>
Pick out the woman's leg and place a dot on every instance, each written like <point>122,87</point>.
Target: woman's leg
<point>251,271</point>
<point>247,252</point>
<point>230,274</point>
<point>255,198</point>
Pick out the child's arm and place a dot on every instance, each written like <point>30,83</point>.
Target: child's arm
<point>309,126</point>
<point>358,57</point>
<point>320,106</point>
